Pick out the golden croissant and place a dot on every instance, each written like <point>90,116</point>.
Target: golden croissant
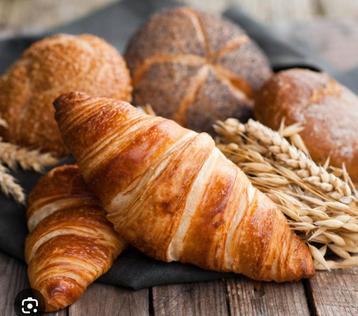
<point>70,242</point>
<point>172,194</point>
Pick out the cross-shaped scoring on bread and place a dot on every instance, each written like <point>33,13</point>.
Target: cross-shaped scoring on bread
<point>195,68</point>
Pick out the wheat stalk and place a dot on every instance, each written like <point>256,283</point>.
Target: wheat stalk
<point>9,185</point>
<point>320,202</point>
<point>12,155</point>
<point>290,156</point>
<point>147,109</point>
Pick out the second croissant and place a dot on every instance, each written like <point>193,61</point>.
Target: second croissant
<point>70,243</point>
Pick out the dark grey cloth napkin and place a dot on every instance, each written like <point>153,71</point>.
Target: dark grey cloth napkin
<point>116,24</point>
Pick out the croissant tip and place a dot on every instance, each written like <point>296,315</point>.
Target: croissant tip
<point>60,293</point>
<point>69,98</point>
<point>302,259</point>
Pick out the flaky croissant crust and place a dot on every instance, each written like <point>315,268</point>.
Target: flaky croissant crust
<point>171,193</point>
<point>71,243</point>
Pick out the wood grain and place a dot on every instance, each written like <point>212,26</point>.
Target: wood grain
<point>257,298</point>
<point>206,298</point>
<point>103,300</point>
<point>335,293</point>
<point>13,279</point>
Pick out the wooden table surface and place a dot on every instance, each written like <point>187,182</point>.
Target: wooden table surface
<point>328,293</point>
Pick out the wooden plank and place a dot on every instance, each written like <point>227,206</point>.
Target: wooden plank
<point>39,15</point>
<point>103,300</point>
<point>206,298</point>
<point>5,12</point>
<point>13,279</point>
<point>335,293</point>
<point>247,297</point>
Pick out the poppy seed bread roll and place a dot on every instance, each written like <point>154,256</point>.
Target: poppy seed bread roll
<point>50,67</point>
<point>327,110</point>
<point>195,68</point>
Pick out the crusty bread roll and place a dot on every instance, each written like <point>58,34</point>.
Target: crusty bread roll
<point>328,111</point>
<point>195,68</point>
<point>49,68</point>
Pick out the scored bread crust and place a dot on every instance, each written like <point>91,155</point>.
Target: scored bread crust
<point>50,67</point>
<point>195,67</point>
<point>327,110</point>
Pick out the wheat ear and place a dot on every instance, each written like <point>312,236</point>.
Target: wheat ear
<point>320,202</point>
<point>12,155</point>
<point>296,160</point>
<point>9,185</point>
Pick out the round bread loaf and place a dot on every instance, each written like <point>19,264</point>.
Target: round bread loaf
<point>49,68</point>
<point>195,68</point>
<point>327,110</point>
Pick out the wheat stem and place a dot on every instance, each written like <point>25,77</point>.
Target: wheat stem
<point>319,201</point>
<point>9,185</point>
<point>12,155</point>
